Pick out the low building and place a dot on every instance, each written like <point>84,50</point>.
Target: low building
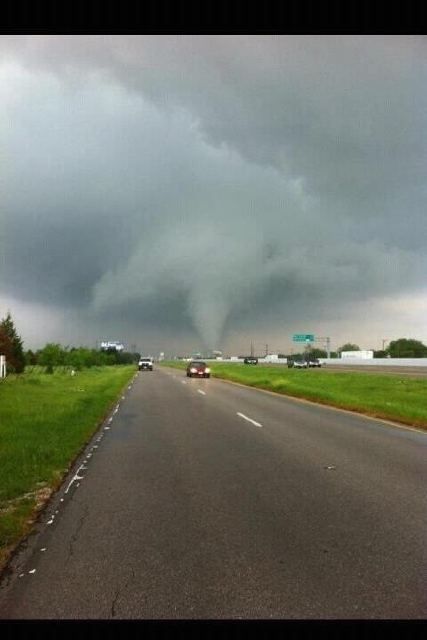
<point>361,355</point>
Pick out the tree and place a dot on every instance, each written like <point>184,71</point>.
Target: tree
<point>30,357</point>
<point>16,360</point>
<point>52,355</point>
<point>381,353</point>
<point>407,348</point>
<point>318,353</point>
<point>349,347</point>
<point>126,357</point>
<point>6,348</point>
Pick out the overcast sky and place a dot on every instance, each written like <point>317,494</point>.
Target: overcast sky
<point>187,192</point>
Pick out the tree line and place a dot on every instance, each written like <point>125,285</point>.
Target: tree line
<point>53,354</point>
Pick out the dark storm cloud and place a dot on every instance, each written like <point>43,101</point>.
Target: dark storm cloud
<point>206,180</point>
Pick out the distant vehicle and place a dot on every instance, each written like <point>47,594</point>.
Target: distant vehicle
<point>314,362</point>
<point>145,364</point>
<point>298,363</point>
<point>251,360</point>
<point>198,369</point>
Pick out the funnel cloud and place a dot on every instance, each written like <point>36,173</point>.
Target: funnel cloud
<point>188,192</point>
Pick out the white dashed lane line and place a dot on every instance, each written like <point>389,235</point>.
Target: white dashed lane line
<point>203,393</point>
<point>242,415</point>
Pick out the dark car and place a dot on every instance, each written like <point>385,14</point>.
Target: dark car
<point>251,360</point>
<point>198,369</point>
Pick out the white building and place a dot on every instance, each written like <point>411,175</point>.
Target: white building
<point>361,355</point>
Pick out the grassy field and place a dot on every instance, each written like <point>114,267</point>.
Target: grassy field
<point>399,398</point>
<point>45,420</point>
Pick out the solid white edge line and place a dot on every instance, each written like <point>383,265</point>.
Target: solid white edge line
<point>242,415</point>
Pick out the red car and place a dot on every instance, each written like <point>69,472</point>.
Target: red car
<point>198,369</point>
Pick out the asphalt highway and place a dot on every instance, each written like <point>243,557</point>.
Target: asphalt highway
<point>201,499</point>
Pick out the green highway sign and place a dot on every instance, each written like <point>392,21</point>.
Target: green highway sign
<point>303,337</point>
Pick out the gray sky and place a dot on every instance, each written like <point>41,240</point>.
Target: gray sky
<point>182,192</point>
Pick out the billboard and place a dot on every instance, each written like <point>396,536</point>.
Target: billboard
<point>111,344</point>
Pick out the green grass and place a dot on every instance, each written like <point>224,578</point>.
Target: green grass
<point>392,397</point>
<point>45,420</point>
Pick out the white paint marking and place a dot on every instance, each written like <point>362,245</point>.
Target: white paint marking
<point>50,521</point>
<point>62,499</point>
<point>110,420</point>
<point>130,387</point>
<point>184,381</point>
<point>73,479</point>
<point>44,549</point>
<point>106,428</point>
<point>242,415</point>
<point>202,392</point>
<point>32,571</point>
<point>21,575</point>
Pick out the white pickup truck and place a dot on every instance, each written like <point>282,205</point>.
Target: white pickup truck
<point>145,364</point>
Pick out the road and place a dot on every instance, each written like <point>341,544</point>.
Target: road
<point>200,499</point>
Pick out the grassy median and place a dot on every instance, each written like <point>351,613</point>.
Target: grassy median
<point>45,421</point>
<point>399,398</point>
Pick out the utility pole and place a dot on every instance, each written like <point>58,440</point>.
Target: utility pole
<point>307,350</point>
<point>252,349</point>
<point>266,349</point>
<point>328,345</point>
